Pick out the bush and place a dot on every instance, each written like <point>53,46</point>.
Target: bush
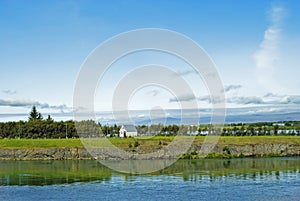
<point>192,155</point>
<point>226,150</point>
<point>217,155</point>
<point>136,144</point>
<point>241,155</point>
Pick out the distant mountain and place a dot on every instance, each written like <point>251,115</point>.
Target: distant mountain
<point>246,118</point>
<point>164,121</point>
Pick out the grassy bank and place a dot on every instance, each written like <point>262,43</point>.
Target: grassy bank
<point>40,143</point>
<point>142,141</point>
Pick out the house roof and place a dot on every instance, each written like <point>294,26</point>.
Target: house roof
<point>130,128</point>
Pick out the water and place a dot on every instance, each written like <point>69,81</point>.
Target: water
<point>213,179</point>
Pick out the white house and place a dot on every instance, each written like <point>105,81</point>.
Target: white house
<point>127,131</point>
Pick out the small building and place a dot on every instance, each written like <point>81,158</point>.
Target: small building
<point>127,131</point>
<point>204,132</point>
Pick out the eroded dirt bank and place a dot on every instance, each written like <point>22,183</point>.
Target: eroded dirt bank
<point>249,150</point>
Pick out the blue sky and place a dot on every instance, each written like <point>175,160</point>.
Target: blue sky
<point>254,44</point>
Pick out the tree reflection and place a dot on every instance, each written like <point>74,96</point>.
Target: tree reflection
<point>204,170</point>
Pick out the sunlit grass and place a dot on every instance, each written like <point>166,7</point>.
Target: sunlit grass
<point>143,141</point>
<point>40,143</point>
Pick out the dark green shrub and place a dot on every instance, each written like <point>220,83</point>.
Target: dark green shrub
<point>226,150</point>
<point>136,144</point>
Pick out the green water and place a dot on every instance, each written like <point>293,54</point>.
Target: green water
<point>209,179</point>
<point>66,172</point>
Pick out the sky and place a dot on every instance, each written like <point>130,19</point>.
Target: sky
<point>43,44</point>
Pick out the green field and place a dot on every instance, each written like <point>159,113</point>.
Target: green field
<point>154,141</point>
<point>40,143</point>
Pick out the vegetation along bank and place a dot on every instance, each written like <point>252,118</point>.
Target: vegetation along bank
<point>227,147</point>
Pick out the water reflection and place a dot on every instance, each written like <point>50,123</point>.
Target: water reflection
<point>66,172</point>
<point>51,172</point>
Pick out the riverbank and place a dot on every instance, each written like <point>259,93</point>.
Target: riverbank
<point>73,149</point>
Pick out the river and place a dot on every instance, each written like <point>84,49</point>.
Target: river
<point>206,179</point>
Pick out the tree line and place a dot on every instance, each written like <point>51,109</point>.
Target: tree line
<point>39,127</point>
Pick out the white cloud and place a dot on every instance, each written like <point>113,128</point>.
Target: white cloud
<point>269,99</point>
<point>265,100</point>
<point>9,92</point>
<point>141,116</point>
<point>28,103</point>
<point>267,54</point>
<point>290,100</point>
<point>154,92</point>
<point>270,95</point>
<point>212,99</point>
<point>245,100</point>
<point>183,98</point>
<point>205,98</point>
<point>183,73</point>
<point>232,87</point>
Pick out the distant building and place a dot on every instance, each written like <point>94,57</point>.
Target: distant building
<point>204,132</point>
<point>127,131</point>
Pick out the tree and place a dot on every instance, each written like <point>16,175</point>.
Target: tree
<point>49,119</point>
<point>35,115</point>
<point>276,129</point>
<point>40,116</point>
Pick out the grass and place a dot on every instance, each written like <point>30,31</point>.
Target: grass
<point>40,143</point>
<point>142,141</point>
<point>244,140</point>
